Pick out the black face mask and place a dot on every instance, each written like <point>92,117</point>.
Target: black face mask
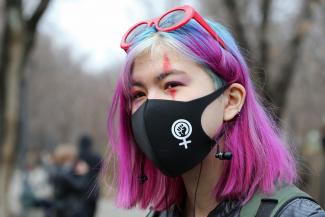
<point>170,132</point>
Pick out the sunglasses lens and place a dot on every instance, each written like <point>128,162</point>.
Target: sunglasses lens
<point>171,19</point>
<point>135,32</point>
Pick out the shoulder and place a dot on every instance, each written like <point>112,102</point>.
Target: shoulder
<point>286,201</point>
<point>302,207</point>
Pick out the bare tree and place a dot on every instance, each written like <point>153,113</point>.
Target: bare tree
<point>16,43</point>
<point>75,99</point>
<point>274,92</point>
<point>287,72</point>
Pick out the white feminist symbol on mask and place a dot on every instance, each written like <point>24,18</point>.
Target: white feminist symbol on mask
<point>182,129</point>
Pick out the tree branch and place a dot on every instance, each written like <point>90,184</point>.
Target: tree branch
<point>264,45</point>
<point>34,19</point>
<point>237,24</point>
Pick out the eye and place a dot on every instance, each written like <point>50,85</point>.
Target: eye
<point>172,84</point>
<point>137,94</point>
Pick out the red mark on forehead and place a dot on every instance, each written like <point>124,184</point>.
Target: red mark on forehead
<point>166,64</point>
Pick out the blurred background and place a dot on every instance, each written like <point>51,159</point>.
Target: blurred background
<point>59,60</point>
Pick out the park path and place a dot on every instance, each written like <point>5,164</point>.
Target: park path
<point>107,208</point>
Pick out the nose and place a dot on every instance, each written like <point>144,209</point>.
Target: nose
<point>151,94</point>
<point>156,94</point>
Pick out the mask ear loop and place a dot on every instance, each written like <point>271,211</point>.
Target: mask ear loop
<point>197,186</point>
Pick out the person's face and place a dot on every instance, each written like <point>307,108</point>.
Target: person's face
<point>168,75</point>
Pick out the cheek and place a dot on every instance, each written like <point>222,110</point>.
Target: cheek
<point>134,108</point>
<point>135,105</point>
<point>212,118</point>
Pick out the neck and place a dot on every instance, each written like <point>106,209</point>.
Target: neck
<point>203,190</point>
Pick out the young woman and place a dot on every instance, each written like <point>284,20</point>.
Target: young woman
<point>190,134</point>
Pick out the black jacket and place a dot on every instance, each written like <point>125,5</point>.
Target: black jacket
<point>70,192</point>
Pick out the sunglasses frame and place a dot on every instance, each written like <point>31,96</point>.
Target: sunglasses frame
<point>190,13</point>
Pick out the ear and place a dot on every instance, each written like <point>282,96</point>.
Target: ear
<point>234,100</point>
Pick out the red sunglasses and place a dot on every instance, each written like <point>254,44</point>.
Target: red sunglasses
<point>169,21</point>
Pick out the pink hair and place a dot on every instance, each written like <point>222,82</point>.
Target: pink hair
<point>260,158</point>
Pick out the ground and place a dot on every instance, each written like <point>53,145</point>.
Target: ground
<point>107,208</point>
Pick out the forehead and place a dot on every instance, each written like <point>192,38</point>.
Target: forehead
<point>159,60</point>
<point>158,56</point>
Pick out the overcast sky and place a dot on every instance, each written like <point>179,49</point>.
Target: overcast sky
<point>93,28</point>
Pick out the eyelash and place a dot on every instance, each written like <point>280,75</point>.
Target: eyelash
<point>137,95</point>
<point>173,84</point>
<point>167,86</point>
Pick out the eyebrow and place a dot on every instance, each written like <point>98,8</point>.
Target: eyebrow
<point>161,76</point>
<point>165,74</point>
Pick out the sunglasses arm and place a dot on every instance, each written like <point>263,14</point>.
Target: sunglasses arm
<point>207,27</point>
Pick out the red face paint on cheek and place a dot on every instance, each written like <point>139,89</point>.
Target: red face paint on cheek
<point>172,93</point>
<point>166,64</point>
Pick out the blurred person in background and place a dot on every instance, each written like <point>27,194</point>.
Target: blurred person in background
<point>93,161</point>
<point>190,134</point>
<point>70,184</point>
<point>36,192</point>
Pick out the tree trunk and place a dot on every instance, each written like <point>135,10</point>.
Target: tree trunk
<point>17,41</point>
<point>277,95</point>
<point>14,44</point>
<point>288,70</point>
<point>264,45</point>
